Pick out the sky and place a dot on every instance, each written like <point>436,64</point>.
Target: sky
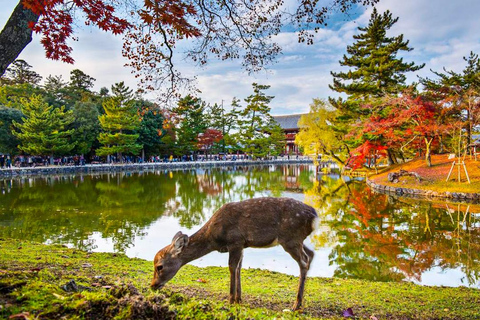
<point>441,32</point>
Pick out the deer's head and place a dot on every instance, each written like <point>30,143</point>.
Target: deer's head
<point>167,261</point>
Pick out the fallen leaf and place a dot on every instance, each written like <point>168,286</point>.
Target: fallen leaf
<point>23,315</point>
<point>348,313</point>
<point>58,296</point>
<point>201,280</point>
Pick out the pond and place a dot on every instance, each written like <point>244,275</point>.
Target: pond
<point>360,234</point>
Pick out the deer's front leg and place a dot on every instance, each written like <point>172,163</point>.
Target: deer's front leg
<point>235,265</point>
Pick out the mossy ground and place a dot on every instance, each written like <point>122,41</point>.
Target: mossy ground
<point>113,286</point>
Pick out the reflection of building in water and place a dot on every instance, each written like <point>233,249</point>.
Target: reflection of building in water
<point>291,174</point>
<point>289,124</point>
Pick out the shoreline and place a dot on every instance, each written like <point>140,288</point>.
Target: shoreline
<point>137,167</point>
<point>468,197</point>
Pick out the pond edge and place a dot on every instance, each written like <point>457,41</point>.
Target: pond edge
<point>136,167</point>
<point>473,198</point>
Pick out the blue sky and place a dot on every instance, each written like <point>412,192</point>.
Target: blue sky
<point>441,32</point>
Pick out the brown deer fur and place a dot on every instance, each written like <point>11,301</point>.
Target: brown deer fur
<point>259,223</point>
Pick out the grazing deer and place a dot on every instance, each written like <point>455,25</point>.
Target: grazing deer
<point>258,223</point>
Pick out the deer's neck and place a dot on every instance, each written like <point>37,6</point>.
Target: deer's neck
<point>198,246</point>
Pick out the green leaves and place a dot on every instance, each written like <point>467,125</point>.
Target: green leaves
<point>43,131</point>
<point>118,123</point>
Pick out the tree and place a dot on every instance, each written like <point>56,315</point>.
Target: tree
<point>8,142</point>
<point>207,139</point>
<point>43,131</point>
<point>151,129</point>
<point>81,81</point>
<point>119,123</point>
<point>461,90</point>
<point>189,123</point>
<point>226,30</point>
<point>256,125</point>
<point>376,69</point>
<point>408,120</point>
<point>86,126</point>
<point>318,136</point>
<point>123,92</point>
<point>20,72</point>
<point>55,87</point>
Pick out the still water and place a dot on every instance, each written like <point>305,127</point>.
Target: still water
<point>360,234</point>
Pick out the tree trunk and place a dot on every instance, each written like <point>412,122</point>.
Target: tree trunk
<point>390,158</point>
<point>428,156</point>
<point>16,35</point>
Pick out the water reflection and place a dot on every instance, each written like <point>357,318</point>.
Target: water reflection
<point>383,238</point>
<point>367,235</point>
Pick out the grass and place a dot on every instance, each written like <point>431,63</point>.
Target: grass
<point>434,177</point>
<point>113,286</point>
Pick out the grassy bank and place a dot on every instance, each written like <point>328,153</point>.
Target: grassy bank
<point>52,282</point>
<point>434,177</point>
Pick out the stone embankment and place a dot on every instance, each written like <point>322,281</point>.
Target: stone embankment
<point>427,194</point>
<point>136,167</point>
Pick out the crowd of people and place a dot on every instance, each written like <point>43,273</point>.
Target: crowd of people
<point>21,161</point>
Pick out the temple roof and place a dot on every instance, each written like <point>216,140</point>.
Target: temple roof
<point>288,121</point>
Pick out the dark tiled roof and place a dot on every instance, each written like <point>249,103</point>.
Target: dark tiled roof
<point>289,121</point>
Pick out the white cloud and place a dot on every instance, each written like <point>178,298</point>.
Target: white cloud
<point>440,31</point>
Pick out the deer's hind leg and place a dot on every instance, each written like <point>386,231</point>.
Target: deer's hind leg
<point>235,266</point>
<point>303,256</point>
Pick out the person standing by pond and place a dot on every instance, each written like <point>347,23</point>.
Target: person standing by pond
<point>2,161</point>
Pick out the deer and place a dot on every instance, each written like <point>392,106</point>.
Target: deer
<point>257,223</point>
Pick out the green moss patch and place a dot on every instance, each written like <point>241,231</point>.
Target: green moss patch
<point>54,282</point>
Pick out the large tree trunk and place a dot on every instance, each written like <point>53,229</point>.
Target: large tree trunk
<point>15,36</point>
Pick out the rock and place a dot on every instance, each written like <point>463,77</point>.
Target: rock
<point>72,286</point>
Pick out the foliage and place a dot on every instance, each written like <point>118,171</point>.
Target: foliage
<point>376,71</point>
<point>376,68</point>
<point>257,127</point>
<point>43,130</point>
<point>19,72</point>
<point>153,29</point>
<point>207,139</point>
<point>460,91</point>
<point>318,136</point>
<point>86,126</point>
<point>151,131</point>
<point>12,95</point>
<point>8,142</point>
<point>188,117</point>
<point>119,122</point>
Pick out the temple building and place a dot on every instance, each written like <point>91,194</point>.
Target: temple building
<point>289,124</point>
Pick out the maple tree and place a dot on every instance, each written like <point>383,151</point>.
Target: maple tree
<point>208,138</point>
<point>231,29</point>
<point>407,120</point>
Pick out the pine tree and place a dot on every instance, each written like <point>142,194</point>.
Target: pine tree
<point>459,90</point>
<point>118,123</point>
<point>258,133</point>
<point>375,68</point>
<point>190,116</point>
<point>43,131</point>
<point>121,91</point>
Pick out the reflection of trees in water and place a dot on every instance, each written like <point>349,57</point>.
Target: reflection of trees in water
<point>381,238</point>
<point>70,209</point>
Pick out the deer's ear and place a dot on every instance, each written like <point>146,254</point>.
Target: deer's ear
<point>179,242</point>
